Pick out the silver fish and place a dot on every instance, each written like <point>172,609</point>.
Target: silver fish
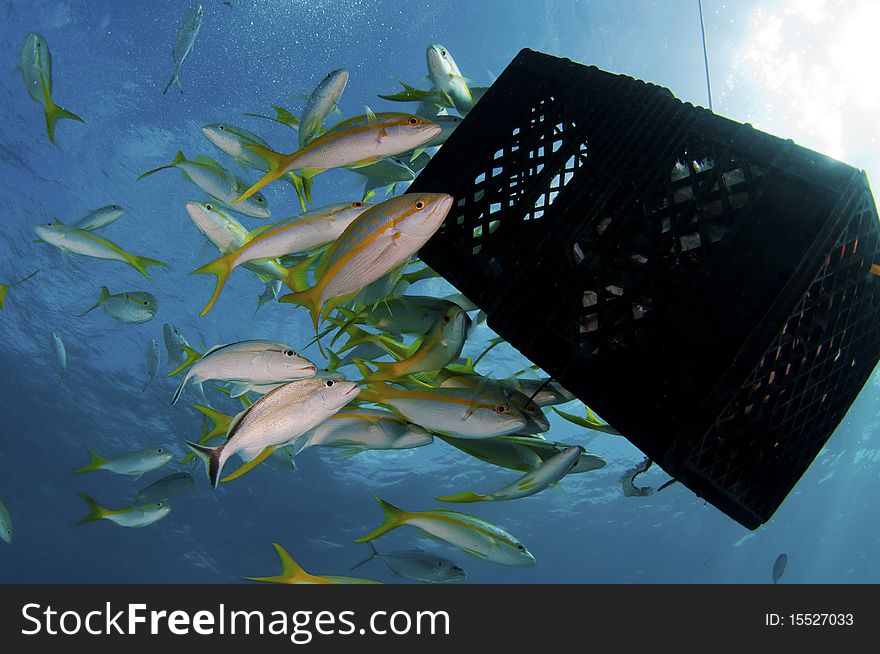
<point>779,567</point>
<point>170,486</point>
<point>60,353</point>
<point>5,523</point>
<point>419,565</point>
<point>275,420</point>
<point>134,463</point>
<point>321,102</point>
<point>548,473</point>
<point>253,362</point>
<point>176,345</point>
<point>134,308</point>
<point>183,44</point>
<point>99,218</point>
<point>136,516</point>
<point>357,430</point>
<point>36,69</point>
<point>152,360</point>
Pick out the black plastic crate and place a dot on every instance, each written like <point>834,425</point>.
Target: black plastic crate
<point>704,286</point>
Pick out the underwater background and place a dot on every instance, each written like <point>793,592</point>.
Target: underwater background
<point>804,70</point>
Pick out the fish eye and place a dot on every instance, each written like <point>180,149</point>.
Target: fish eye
<point>520,548</point>
<point>159,451</point>
<point>209,206</point>
<point>328,383</point>
<point>357,204</point>
<point>220,127</point>
<point>413,120</point>
<point>420,204</point>
<point>502,408</point>
<point>531,408</point>
<point>446,319</point>
<point>288,353</point>
<point>260,198</point>
<point>146,303</point>
<point>443,53</point>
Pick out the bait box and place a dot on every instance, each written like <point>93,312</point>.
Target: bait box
<point>702,285</point>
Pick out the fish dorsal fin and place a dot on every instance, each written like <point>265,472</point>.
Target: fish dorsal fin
<point>208,162</point>
<point>254,233</point>
<point>214,349</point>
<point>371,116</point>
<point>236,420</point>
<point>529,458</point>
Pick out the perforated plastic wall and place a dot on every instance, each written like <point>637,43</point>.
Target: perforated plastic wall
<point>702,285</point>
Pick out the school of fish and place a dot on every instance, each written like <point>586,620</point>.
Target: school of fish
<point>349,265</point>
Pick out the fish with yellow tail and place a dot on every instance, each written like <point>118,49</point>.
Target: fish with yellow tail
<point>352,143</point>
<point>292,573</point>
<point>134,463</point>
<point>277,418</point>
<point>4,288</point>
<point>134,307</point>
<point>89,244</point>
<point>430,353</point>
<point>301,233</point>
<point>135,516</point>
<point>378,241</point>
<point>216,181</point>
<point>220,422</point>
<point>471,535</point>
<point>36,69</point>
<point>461,412</point>
<point>547,474</point>
<point>521,453</point>
<point>227,234</point>
<point>246,363</point>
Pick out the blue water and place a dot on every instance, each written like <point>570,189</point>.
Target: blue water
<point>791,68</point>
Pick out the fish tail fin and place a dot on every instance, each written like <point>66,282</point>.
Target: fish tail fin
<point>373,554</point>
<point>384,370</point>
<point>96,511</point>
<point>168,85</point>
<point>291,572</point>
<point>394,517</point>
<point>220,420</point>
<point>95,462</point>
<point>299,186</point>
<point>54,113</point>
<point>178,158</point>
<point>333,360</point>
<point>467,496</point>
<point>179,391</point>
<point>297,276</point>
<point>211,457</point>
<point>375,393</point>
<point>191,357</point>
<point>221,268</point>
<point>103,296</point>
<point>140,263</point>
<point>278,165</point>
<point>311,298</point>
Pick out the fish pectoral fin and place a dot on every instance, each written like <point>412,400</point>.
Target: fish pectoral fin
<point>237,390</point>
<point>348,452</point>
